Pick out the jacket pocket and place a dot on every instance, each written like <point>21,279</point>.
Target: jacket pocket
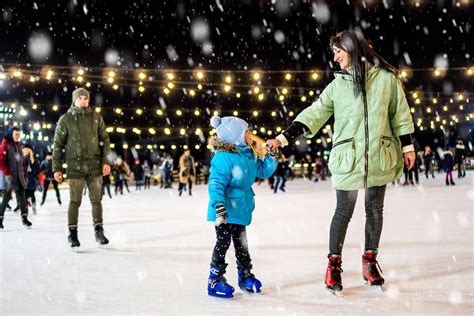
<point>342,156</point>
<point>388,153</point>
<point>235,200</point>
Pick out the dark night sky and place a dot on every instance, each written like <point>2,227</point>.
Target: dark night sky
<point>225,35</point>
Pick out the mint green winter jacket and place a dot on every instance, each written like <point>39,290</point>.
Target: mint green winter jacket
<point>366,149</point>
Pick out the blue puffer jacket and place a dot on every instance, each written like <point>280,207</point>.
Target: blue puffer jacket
<point>233,171</point>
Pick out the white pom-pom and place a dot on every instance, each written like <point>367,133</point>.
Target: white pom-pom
<point>215,121</point>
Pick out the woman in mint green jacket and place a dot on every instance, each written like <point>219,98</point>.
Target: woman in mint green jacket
<point>372,138</point>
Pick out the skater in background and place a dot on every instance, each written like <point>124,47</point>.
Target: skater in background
<point>428,157</point>
<point>187,172</point>
<point>119,172</point>
<point>166,168</point>
<point>448,166</point>
<point>138,174</point>
<point>127,176</point>
<point>280,174</point>
<point>32,170</point>
<point>460,158</point>
<point>12,167</point>
<point>47,168</point>
<point>147,174</point>
<point>106,185</point>
<point>309,160</point>
<point>413,171</point>
<point>318,169</point>
<point>373,128</point>
<point>234,169</point>
<point>80,127</point>
<point>161,170</point>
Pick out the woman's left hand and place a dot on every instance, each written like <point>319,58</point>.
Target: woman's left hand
<point>409,159</point>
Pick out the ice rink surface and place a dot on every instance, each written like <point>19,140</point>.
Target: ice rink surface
<point>158,259</point>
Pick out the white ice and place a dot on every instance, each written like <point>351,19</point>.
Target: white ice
<point>158,259</point>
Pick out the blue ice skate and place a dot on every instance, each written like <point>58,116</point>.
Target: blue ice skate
<point>247,280</point>
<point>217,285</point>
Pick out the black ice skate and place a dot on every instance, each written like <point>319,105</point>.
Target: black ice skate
<point>73,240</point>
<point>99,236</point>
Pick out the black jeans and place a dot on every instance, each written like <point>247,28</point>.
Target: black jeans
<point>147,182</point>
<point>20,193</point>
<point>30,194</point>
<point>118,186</point>
<point>46,187</point>
<point>182,185</point>
<point>226,233</point>
<point>104,187</point>
<point>346,201</point>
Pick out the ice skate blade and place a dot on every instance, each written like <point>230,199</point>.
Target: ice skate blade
<point>335,293</point>
<point>220,294</point>
<point>253,290</point>
<point>105,246</point>
<point>375,288</point>
<point>75,249</point>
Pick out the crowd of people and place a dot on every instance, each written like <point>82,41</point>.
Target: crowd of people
<point>39,175</point>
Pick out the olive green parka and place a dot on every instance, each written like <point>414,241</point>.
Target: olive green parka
<point>81,141</point>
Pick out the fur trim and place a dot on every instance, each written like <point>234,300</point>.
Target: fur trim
<point>219,145</point>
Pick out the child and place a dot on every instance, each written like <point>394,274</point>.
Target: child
<point>448,166</point>
<point>234,168</point>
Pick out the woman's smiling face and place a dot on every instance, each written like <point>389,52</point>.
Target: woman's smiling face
<point>341,57</point>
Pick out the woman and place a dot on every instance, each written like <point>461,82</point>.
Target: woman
<point>372,128</point>
<point>428,161</point>
<point>32,167</point>
<point>187,172</point>
<point>119,172</point>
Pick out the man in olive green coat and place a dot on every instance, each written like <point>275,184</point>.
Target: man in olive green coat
<point>82,142</point>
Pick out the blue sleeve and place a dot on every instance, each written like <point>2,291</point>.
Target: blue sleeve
<point>220,175</point>
<point>266,167</point>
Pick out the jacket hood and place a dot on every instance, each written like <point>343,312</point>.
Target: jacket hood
<point>9,135</point>
<point>219,145</point>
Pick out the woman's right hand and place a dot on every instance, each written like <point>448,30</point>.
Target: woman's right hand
<point>274,143</point>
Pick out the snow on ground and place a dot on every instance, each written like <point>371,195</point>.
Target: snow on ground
<point>158,260</point>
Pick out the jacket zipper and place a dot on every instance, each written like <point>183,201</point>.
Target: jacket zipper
<point>343,142</point>
<point>366,123</point>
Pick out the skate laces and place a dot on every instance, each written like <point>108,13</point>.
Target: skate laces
<point>247,274</point>
<point>336,270</point>
<point>374,267</point>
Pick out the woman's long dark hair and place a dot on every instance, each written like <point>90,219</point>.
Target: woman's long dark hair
<point>361,56</point>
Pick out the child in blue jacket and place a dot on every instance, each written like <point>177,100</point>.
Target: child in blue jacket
<point>234,168</point>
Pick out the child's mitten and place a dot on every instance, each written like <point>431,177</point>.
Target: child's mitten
<point>221,215</point>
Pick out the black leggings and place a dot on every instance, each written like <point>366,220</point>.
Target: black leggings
<point>182,185</point>
<point>225,233</point>
<point>346,201</point>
